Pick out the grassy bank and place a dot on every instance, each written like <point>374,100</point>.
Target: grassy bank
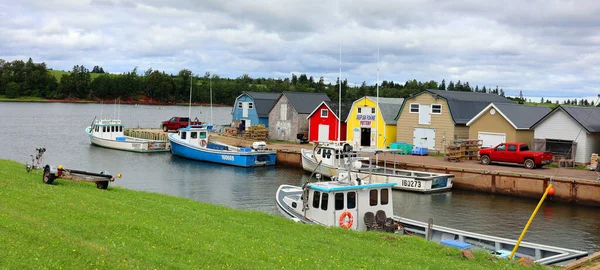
<point>75,225</point>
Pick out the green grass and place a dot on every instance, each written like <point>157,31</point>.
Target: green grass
<point>58,74</point>
<point>578,167</point>
<point>24,99</point>
<point>74,225</point>
<point>551,105</point>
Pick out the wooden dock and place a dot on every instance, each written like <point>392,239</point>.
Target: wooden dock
<point>147,133</point>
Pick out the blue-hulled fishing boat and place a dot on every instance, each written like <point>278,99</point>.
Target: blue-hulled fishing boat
<point>193,142</point>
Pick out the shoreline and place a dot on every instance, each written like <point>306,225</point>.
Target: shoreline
<point>91,101</point>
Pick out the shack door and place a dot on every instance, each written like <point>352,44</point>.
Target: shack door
<point>424,137</point>
<point>244,109</point>
<point>323,133</point>
<point>365,137</point>
<point>424,114</point>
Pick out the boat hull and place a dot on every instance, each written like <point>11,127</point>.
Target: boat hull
<point>422,184</point>
<point>240,159</point>
<point>309,164</point>
<point>130,144</point>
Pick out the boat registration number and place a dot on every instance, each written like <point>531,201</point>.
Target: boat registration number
<point>226,157</point>
<point>135,145</point>
<point>411,183</point>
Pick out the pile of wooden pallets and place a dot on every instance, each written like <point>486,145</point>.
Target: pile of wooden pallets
<point>463,150</point>
<point>257,133</point>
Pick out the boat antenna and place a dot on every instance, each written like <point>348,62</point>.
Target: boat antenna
<point>211,111</point>
<point>101,101</point>
<point>340,99</point>
<point>190,104</point>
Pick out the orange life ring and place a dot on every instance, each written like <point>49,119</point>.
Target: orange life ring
<point>202,143</point>
<point>346,223</point>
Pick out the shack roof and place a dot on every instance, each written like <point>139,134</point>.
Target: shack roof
<point>263,101</point>
<point>463,106</point>
<point>519,116</point>
<point>389,107</point>
<point>305,102</point>
<point>587,117</point>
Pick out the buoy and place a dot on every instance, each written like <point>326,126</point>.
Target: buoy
<point>551,191</point>
<point>119,175</point>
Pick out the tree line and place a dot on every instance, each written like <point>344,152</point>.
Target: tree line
<point>19,78</point>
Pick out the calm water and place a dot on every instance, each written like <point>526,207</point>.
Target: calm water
<point>60,129</point>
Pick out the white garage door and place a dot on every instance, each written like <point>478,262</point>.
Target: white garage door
<point>490,139</point>
<point>424,137</point>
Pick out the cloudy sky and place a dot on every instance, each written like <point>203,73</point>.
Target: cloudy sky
<point>545,48</point>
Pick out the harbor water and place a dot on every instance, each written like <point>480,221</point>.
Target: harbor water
<point>60,129</point>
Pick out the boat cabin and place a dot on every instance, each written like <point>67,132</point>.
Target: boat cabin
<point>340,204</point>
<point>194,135</point>
<point>108,129</point>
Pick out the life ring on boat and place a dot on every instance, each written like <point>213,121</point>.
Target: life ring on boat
<point>346,223</point>
<point>202,143</point>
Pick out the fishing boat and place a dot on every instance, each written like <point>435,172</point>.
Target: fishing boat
<point>327,160</point>
<point>348,203</point>
<point>108,133</point>
<point>193,142</point>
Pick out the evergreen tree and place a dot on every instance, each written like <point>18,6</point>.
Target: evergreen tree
<point>443,85</point>
<point>450,86</point>
<point>501,92</point>
<point>477,88</point>
<point>483,90</point>
<point>542,101</point>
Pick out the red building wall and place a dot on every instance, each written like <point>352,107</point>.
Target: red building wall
<point>315,120</point>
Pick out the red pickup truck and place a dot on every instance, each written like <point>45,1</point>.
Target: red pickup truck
<point>176,123</point>
<point>515,153</point>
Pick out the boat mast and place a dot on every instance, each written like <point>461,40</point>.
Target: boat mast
<point>340,100</point>
<point>190,104</point>
<point>377,104</point>
<point>211,111</point>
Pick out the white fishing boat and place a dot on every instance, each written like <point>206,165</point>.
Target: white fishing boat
<point>109,133</point>
<point>327,159</point>
<point>349,203</point>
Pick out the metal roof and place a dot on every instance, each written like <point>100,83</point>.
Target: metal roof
<point>389,107</point>
<point>519,116</point>
<point>464,106</point>
<point>587,117</point>
<point>305,102</point>
<point>263,101</point>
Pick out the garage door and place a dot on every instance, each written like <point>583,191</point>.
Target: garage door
<point>424,137</point>
<point>490,139</point>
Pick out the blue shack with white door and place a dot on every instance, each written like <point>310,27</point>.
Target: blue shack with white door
<point>253,107</point>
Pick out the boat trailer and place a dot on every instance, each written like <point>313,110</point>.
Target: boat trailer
<point>101,179</point>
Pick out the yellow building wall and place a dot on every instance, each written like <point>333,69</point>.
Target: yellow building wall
<point>493,123</point>
<point>461,132</point>
<point>442,123</point>
<point>390,130</point>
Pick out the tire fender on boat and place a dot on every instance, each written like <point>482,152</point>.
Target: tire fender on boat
<point>346,223</point>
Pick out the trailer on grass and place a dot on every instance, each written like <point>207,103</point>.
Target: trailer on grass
<point>101,179</point>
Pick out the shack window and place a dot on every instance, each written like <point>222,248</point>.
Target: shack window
<point>373,110</point>
<point>316,197</point>
<point>351,200</point>
<point>193,135</point>
<point>339,201</point>
<point>414,108</point>
<point>183,135</point>
<point>324,113</point>
<point>373,197</point>
<point>436,109</point>
<point>359,110</point>
<point>324,201</point>
<point>250,105</point>
<point>512,148</point>
<point>319,152</point>
<point>97,128</point>
<point>239,104</point>
<point>384,196</point>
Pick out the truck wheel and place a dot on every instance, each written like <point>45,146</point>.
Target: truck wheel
<point>102,184</point>
<point>165,129</point>
<point>485,160</point>
<point>48,177</point>
<point>529,164</point>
